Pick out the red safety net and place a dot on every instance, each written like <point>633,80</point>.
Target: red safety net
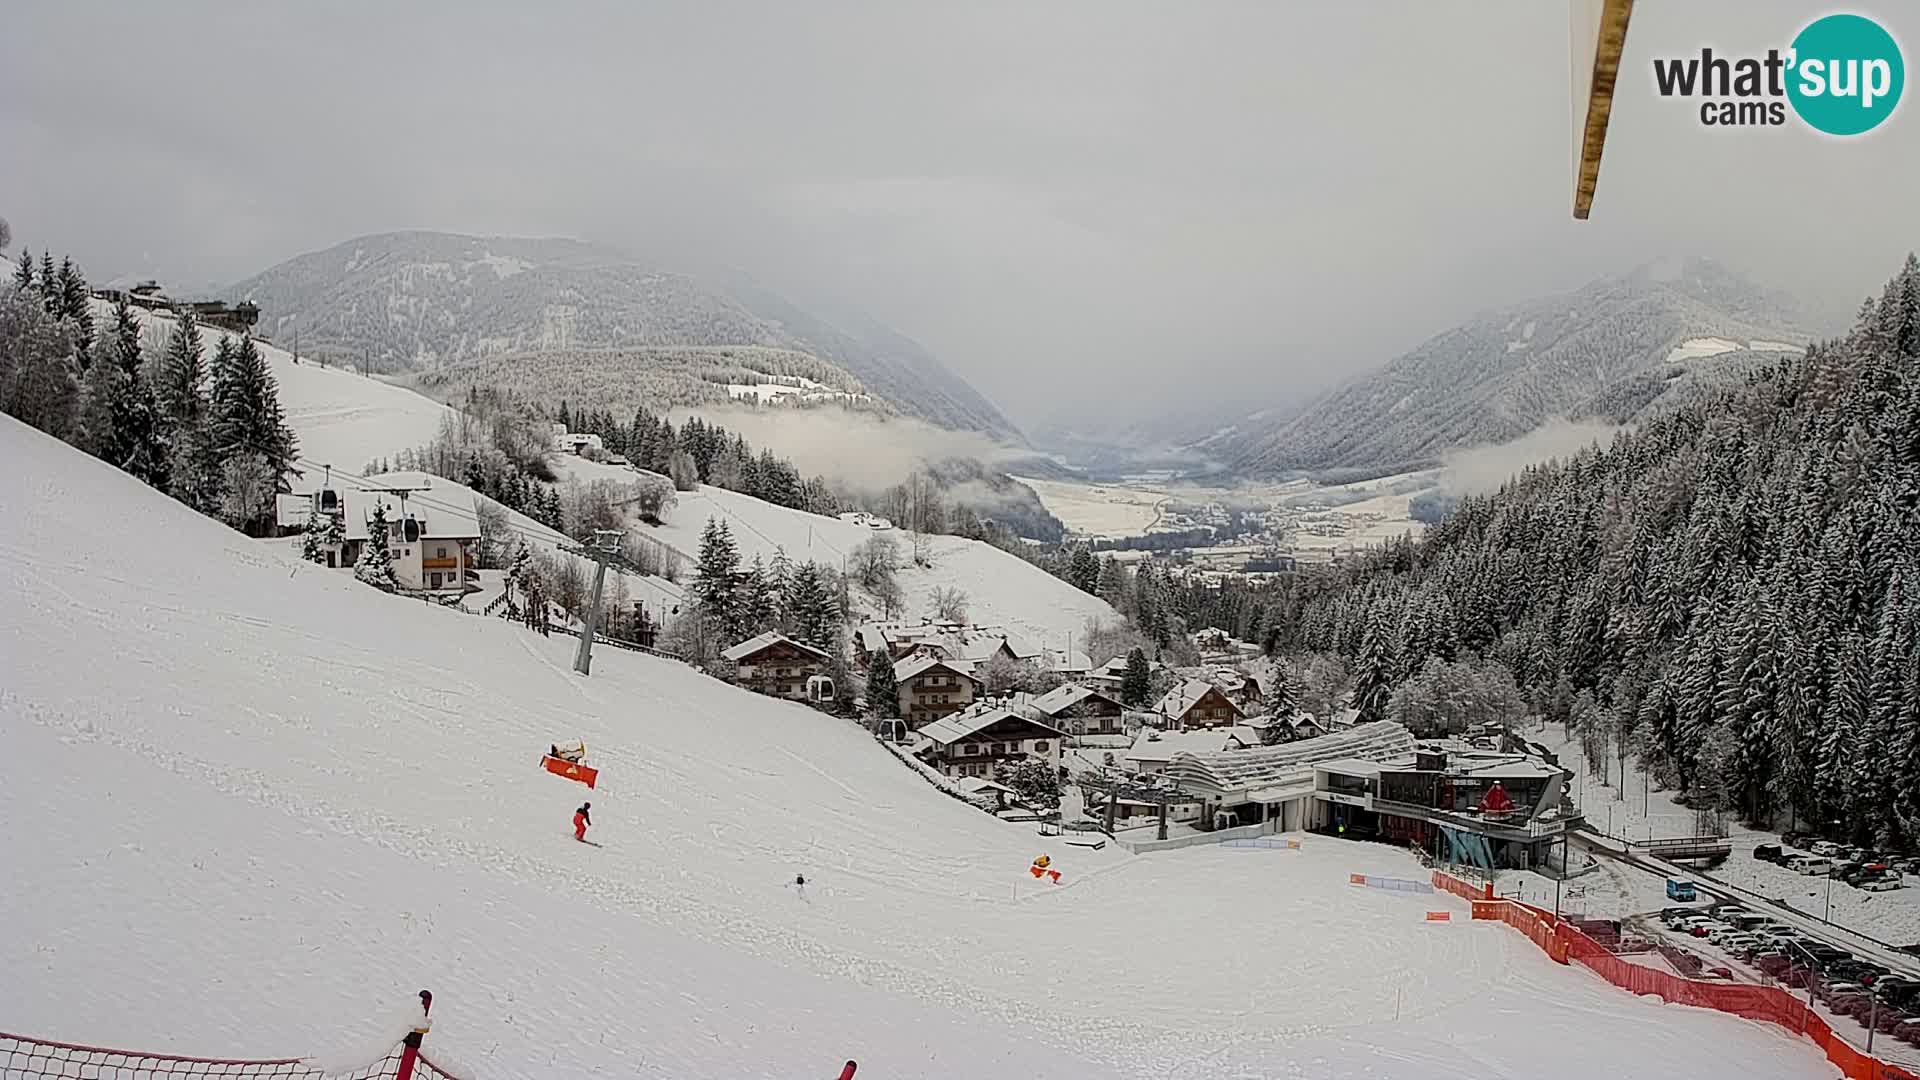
<point>25,1058</point>
<point>1565,943</point>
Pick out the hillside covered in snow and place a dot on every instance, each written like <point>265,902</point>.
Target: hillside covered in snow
<point>246,805</point>
<point>418,299</point>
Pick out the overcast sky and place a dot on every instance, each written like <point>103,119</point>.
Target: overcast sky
<point>1142,203</point>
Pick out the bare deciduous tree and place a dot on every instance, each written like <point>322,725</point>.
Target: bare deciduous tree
<point>949,604</point>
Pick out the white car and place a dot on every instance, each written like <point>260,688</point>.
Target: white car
<point>1880,884</point>
<point>1826,848</point>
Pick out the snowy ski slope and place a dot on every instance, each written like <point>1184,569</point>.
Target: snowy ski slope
<point>247,806</point>
<point>1002,590</point>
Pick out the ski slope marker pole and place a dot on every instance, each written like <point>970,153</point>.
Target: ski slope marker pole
<point>847,1073</point>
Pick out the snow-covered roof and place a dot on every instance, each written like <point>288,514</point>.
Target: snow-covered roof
<point>1352,767</point>
<point>1074,661</point>
<point>871,638</point>
<point>1155,745</point>
<point>1237,771</point>
<point>1061,698</point>
<point>1184,697</point>
<point>951,729</point>
<point>760,641</point>
<point>973,785</point>
<point>922,663</point>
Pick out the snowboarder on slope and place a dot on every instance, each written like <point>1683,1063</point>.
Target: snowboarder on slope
<point>581,820</point>
<point>800,885</point>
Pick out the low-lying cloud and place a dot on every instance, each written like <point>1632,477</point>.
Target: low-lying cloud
<point>1481,469</point>
<point>861,451</point>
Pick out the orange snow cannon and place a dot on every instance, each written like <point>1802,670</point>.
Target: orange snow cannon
<point>572,770</point>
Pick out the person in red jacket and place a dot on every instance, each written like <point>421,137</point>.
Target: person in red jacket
<point>580,821</point>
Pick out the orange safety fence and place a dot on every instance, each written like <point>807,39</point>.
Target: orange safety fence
<point>1563,943</point>
<point>1464,890</point>
<point>1439,916</point>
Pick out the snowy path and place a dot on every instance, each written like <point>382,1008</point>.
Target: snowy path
<point>245,807</point>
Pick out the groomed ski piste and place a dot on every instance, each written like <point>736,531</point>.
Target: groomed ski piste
<point>249,807</point>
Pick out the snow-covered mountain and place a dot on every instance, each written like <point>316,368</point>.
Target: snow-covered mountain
<point>416,299</point>
<point>1607,350</point>
<point>249,807</point>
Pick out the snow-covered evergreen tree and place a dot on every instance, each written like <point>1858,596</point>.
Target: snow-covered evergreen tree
<point>1136,682</point>
<point>753,608</point>
<point>376,559</point>
<point>882,691</point>
<point>713,575</point>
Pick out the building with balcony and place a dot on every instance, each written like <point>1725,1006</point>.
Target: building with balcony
<point>432,526</point>
<point>776,665</point>
<point>1460,804</point>
<point>975,742</point>
<point>930,688</point>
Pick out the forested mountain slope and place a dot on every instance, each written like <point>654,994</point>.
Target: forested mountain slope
<point>418,299</point>
<point>1732,591</point>
<point>1504,373</point>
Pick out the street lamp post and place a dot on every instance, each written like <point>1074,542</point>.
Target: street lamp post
<point>1561,878</point>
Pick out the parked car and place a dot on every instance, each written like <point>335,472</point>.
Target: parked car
<point>1815,867</point>
<point>1826,848</point>
<point>1767,852</point>
<point>1880,883</point>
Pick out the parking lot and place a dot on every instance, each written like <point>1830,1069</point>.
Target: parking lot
<point>1719,939</point>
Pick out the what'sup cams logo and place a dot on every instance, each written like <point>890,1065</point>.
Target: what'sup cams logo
<point>1842,76</point>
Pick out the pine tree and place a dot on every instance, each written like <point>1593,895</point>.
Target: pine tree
<point>1136,683</point>
<point>312,541</point>
<point>50,296</point>
<point>39,384</point>
<point>1374,673</point>
<point>181,386</point>
<point>1283,698</point>
<point>713,581</point>
<point>753,602</point>
<point>126,338</point>
<point>376,559</point>
<point>1084,571</point>
<point>23,271</point>
<point>1113,583</point>
<point>882,691</point>
<point>101,391</point>
<point>246,418</point>
<point>814,608</point>
<point>75,305</point>
<point>779,585</point>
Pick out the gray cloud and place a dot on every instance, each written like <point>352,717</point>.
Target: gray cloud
<point>1090,208</point>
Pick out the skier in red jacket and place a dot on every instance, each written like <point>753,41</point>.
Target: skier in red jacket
<point>580,821</point>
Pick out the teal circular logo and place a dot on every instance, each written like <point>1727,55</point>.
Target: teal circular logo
<point>1846,74</point>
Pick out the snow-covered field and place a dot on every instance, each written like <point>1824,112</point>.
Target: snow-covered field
<point>246,806</point>
<point>1699,348</point>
